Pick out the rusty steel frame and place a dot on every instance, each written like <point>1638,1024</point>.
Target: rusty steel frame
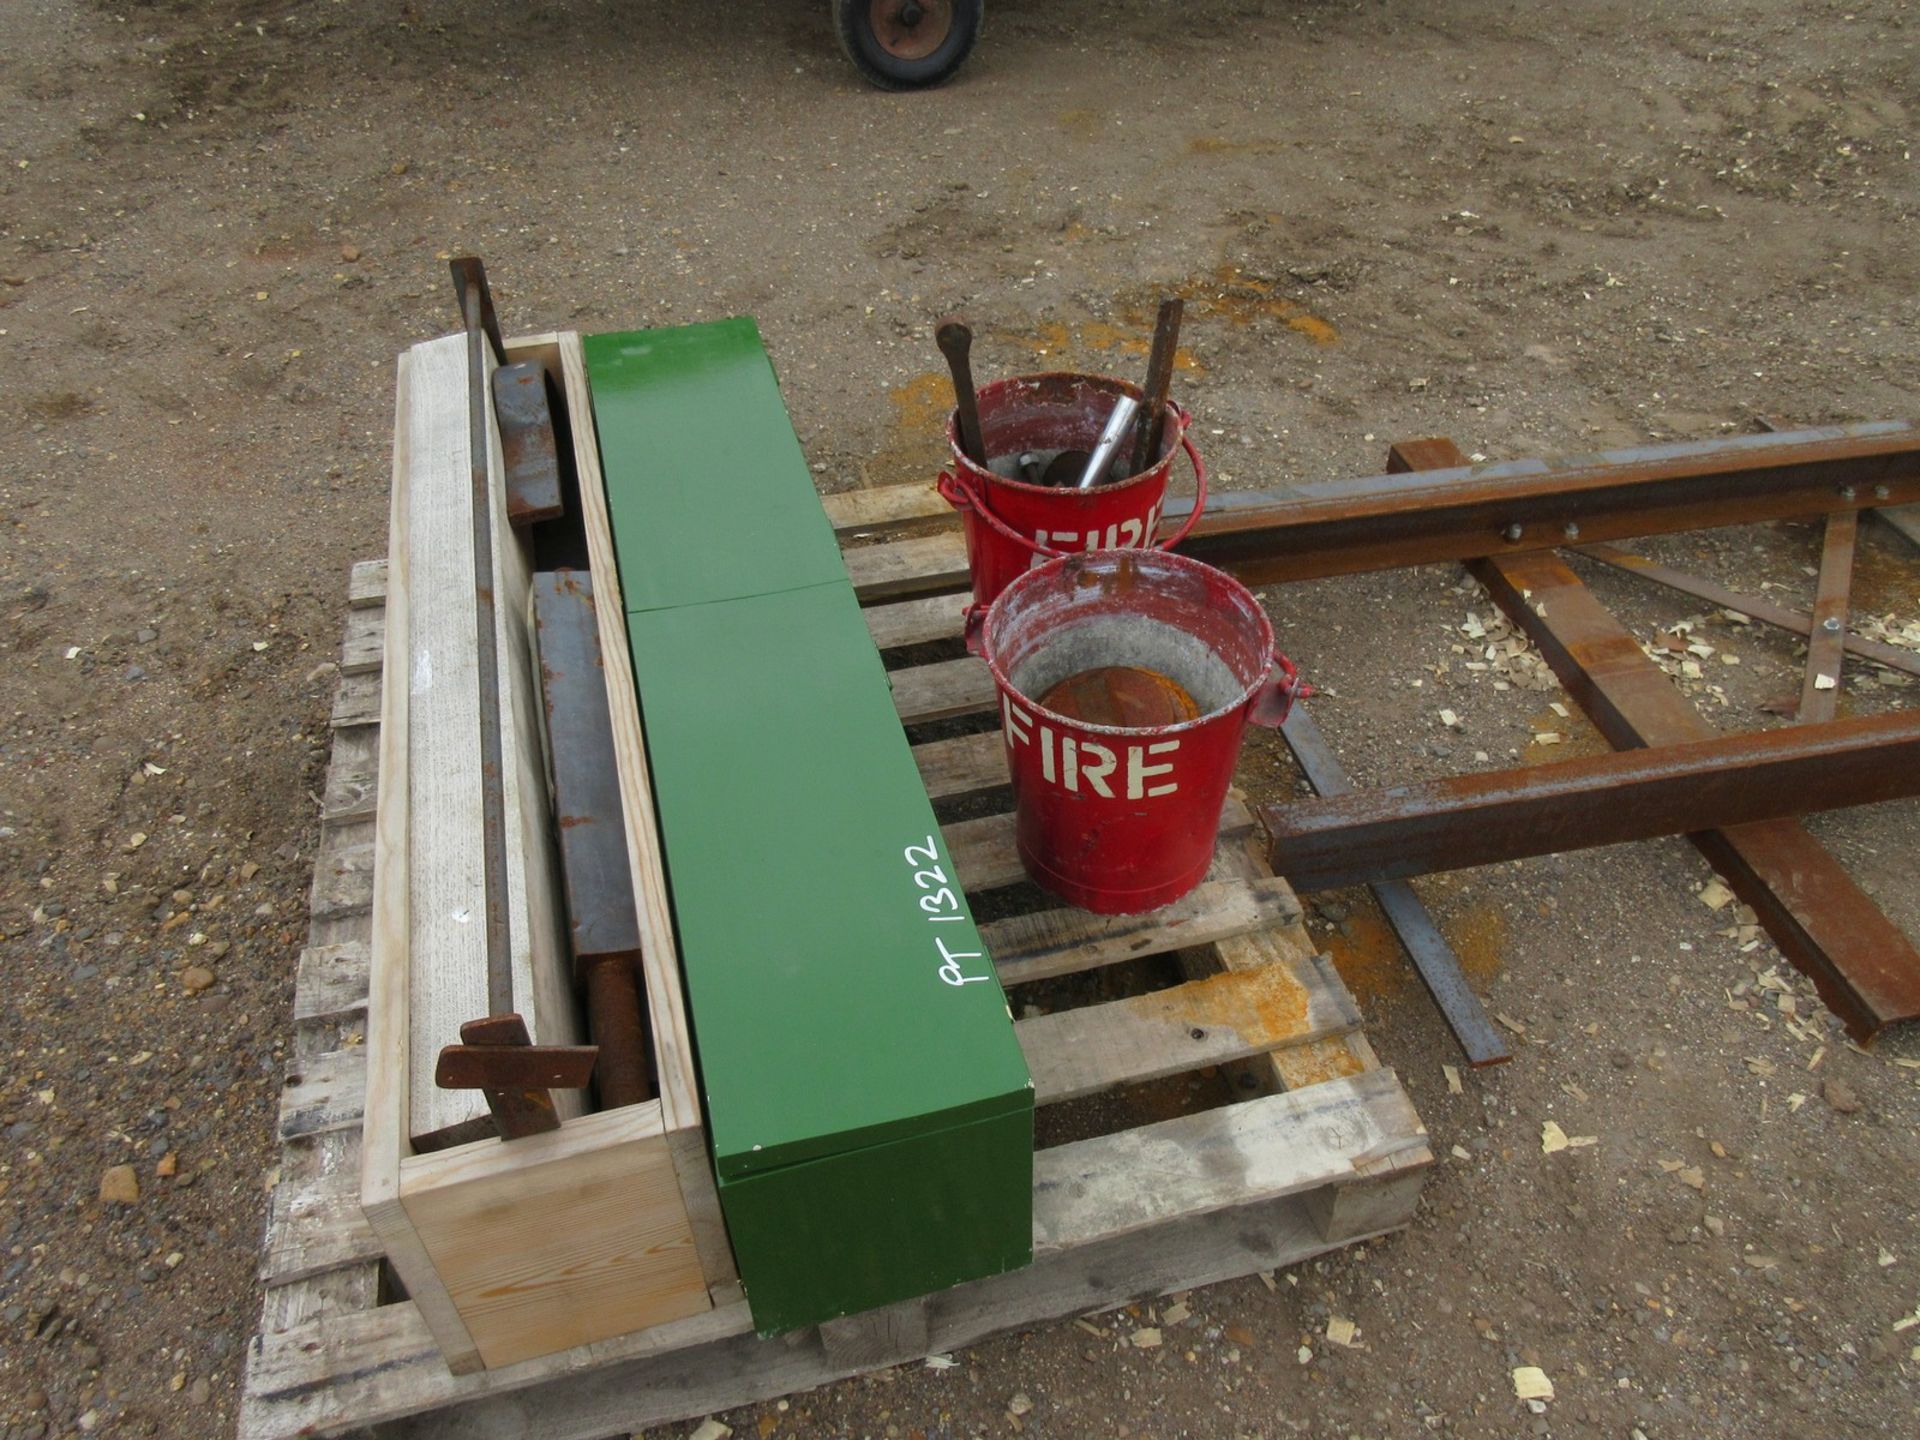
<point>1866,969</point>
<point>1466,820</point>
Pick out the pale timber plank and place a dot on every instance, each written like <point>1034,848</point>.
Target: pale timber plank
<point>386,1132</point>
<point>1059,942</point>
<point>943,690</point>
<point>446,946</point>
<point>1226,1017</point>
<point>1218,1159</point>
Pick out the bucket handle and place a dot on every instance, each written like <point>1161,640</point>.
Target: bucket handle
<point>957,490</point>
<point>1274,700</point>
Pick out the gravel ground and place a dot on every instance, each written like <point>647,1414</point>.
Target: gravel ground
<point>1535,229</point>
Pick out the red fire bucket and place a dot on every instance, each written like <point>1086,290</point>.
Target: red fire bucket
<point>1122,818</point>
<point>1013,526</point>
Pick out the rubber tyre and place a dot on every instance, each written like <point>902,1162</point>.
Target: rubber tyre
<point>853,23</point>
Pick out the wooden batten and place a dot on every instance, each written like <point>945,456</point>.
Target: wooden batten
<point>608,1225</point>
<point>659,951</point>
<point>446,925</point>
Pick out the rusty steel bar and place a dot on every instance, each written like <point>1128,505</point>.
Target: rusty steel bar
<point>523,404</point>
<point>1754,607</point>
<point>1826,648</point>
<point>1866,970</point>
<point>1463,512</point>
<point>1468,820</point>
<point>603,927</point>
<point>1434,960</point>
<point>483,329</point>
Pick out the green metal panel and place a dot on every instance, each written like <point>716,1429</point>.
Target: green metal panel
<point>869,1109</point>
<point>841,995</point>
<point>837,1236</point>
<point>709,489</point>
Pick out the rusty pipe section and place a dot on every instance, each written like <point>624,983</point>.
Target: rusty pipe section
<point>617,1018</point>
<point>1468,820</point>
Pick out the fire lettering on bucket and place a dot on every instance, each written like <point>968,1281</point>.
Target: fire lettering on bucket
<point>1072,762</point>
<point>1122,535</point>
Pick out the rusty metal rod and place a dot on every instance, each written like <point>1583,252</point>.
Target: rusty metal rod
<point>1754,607</point>
<point>1469,820</point>
<point>1166,345</point>
<point>1826,648</point>
<point>1434,960</point>
<point>955,339</point>
<point>483,329</point>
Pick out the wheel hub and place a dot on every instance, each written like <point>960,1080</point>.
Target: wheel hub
<point>911,29</point>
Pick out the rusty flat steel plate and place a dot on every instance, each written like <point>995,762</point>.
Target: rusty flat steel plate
<point>586,784</point>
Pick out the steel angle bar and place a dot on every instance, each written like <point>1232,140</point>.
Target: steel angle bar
<point>1469,820</point>
<point>1464,511</point>
<point>1438,967</point>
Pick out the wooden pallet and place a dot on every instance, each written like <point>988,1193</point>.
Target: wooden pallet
<point>1315,1145</point>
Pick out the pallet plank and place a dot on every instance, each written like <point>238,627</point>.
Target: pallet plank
<point>943,690</point>
<point>330,982</point>
<point>342,871</point>
<point>917,622</point>
<point>357,701</point>
<point>367,583</point>
<point>902,569</point>
<point>352,777</point>
<point>962,768</point>
<point>1059,942</point>
<point>323,1092</point>
<point>1226,1017</point>
<point>886,507</point>
<point>315,1223</point>
<point>365,641</point>
<point>985,856</point>
<point>1111,1185</point>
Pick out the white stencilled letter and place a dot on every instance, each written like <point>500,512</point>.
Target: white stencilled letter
<point>1015,722</point>
<point>1046,752</point>
<point>1139,772</point>
<point>1129,535</point>
<point>1095,772</point>
<point>1070,763</point>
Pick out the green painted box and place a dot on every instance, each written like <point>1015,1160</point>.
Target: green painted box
<point>869,1108</point>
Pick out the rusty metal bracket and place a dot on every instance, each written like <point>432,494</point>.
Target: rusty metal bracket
<point>496,1057</point>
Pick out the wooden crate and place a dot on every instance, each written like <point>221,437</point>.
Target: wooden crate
<point>610,1224</point>
<point>1319,1146</point>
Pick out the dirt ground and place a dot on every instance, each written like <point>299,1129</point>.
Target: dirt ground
<point>1538,229</point>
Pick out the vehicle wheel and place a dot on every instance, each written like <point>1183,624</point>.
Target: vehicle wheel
<point>907,44</point>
